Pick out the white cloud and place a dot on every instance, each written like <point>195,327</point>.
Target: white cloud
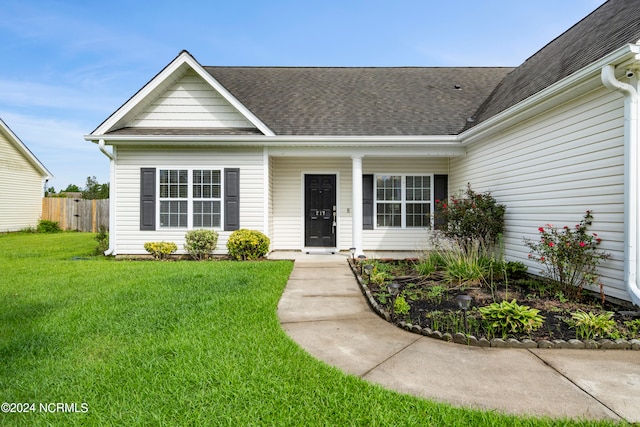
<point>60,146</point>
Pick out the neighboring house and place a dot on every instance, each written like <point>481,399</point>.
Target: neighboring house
<point>332,158</point>
<point>22,181</point>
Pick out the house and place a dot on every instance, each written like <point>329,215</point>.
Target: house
<point>22,181</point>
<point>332,158</point>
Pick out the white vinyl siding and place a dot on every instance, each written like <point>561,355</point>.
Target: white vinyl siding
<point>551,169</point>
<point>190,102</point>
<point>21,189</point>
<point>129,238</point>
<point>288,198</point>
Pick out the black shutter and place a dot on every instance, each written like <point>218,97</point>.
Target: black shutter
<point>147,199</point>
<point>231,199</point>
<point>440,192</point>
<point>367,202</point>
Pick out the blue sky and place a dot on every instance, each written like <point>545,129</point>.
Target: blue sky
<point>66,66</point>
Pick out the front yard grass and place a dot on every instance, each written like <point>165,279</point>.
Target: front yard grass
<point>173,343</point>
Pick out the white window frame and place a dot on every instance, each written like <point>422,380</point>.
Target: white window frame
<point>403,201</point>
<point>190,199</point>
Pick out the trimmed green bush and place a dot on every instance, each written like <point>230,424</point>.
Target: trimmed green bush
<point>247,245</point>
<point>200,244</point>
<point>160,250</point>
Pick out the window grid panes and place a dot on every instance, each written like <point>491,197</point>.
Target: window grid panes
<point>418,189</point>
<point>173,214</point>
<point>190,198</point>
<point>206,184</point>
<point>174,184</point>
<point>403,201</point>
<point>206,214</point>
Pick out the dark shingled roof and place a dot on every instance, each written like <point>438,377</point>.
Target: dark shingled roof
<point>398,101</point>
<point>361,101</point>
<point>611,26</point>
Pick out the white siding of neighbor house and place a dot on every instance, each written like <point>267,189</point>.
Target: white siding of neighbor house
<point>190,102</point>
<point>552,168</point>
<point>287,195</point>
<point>129,238</point>
<point>21,189</point>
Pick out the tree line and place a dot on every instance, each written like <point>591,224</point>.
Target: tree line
<point>92,190</point>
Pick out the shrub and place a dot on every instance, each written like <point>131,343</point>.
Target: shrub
<point>511,318</point>
<point>200,244</point>
<point>160,250</point>
<point>103,240</point>
<point>47,226</point>
<point>569,256</point>
<point>246,244</point>
<point>471,217</point>
<point>590,326</point>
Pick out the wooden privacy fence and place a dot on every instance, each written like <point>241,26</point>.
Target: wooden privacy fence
<point>76,214</point>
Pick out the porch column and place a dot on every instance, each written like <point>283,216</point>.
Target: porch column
<point>356,204</point>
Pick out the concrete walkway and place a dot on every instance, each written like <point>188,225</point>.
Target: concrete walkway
<point>324,311</point>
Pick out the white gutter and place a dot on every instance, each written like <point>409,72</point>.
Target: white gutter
<point>631,183</point>
<point>285,140</point>
<point>112,201</point>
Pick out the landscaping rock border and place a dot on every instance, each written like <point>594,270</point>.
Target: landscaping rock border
<point>460,338</point>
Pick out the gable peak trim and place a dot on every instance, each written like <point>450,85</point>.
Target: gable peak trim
<point>178,65</point>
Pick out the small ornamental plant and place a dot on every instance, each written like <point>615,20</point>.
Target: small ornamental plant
<point>160,250</point>
<point>569,256</point>
<point>247,245</point>
<point>200,243</point>
<point>471,217</point>
<point>511,318</point>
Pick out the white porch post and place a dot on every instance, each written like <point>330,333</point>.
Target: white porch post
<point>356,204</point>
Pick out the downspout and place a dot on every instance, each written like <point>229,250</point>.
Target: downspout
<point>112,202</point>
<point>631,184</point>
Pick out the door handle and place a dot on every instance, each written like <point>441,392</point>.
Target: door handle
<point>335,224</point>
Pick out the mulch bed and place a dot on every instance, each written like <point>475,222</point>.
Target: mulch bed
<point>442,313</point>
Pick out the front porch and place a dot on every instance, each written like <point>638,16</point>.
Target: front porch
<point>356,219</point>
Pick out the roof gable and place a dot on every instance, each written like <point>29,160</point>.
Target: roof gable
<point>190,103</point>
<point>21,148</point>
<point>182,95</point>
<point>614,24</point>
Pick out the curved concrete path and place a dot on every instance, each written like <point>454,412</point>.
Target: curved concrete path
<point>324,311</point>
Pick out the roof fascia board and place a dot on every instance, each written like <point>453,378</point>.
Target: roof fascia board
<point>276,140</point>
<point>585,79</point>
<point>183,58</point>
<point>44,172</point>
<point>316,146</point>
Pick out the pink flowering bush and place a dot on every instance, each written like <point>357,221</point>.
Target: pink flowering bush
<point>569,256</point>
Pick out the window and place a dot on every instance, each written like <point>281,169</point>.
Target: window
<point>197,191</point>
<point>403,201</point>
<point>206,193</point>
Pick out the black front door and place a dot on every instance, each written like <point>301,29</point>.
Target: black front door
<point>320,210</point>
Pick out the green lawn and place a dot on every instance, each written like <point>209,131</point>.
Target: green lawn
<point>173,344</point>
